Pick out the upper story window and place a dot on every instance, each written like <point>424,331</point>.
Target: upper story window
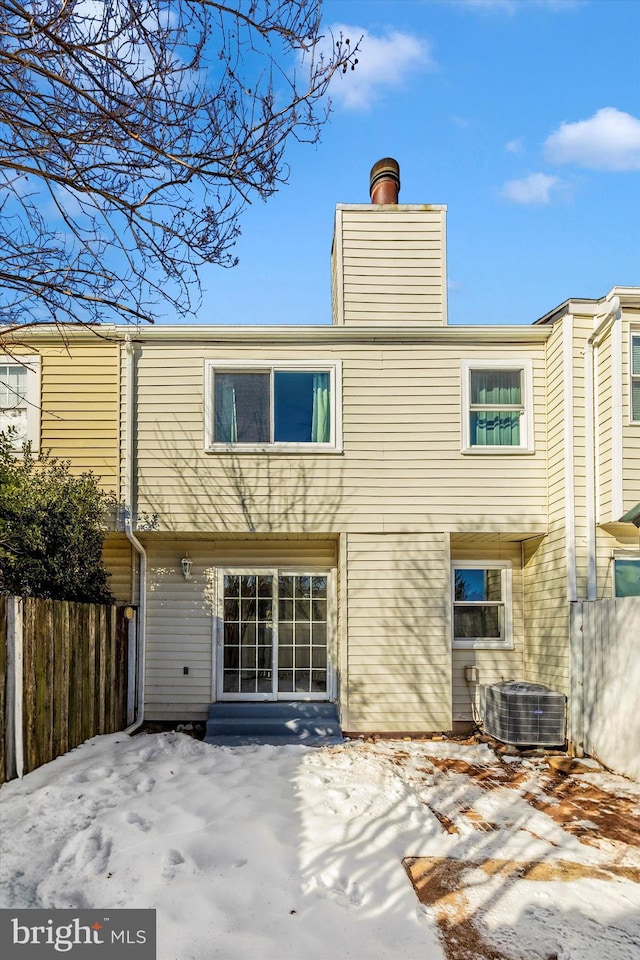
<point>635,378</point>
<point>497,406</point>
<point>269,405</point>
<point>20,400</point>
<point>482,604</point>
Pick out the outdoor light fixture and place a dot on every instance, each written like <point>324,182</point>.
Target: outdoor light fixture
<point>186,565</point>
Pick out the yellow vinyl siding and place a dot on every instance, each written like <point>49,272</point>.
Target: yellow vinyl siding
<point>388,265</point>
<point>399,661</point>
<point>180,613</point>
<point>80,406</point>
<point>116,553</point>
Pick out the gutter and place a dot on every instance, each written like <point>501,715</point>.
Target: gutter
<point>128,529</point>
<point>592,467</point>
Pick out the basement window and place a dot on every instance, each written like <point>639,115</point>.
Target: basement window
<point>482,604</point>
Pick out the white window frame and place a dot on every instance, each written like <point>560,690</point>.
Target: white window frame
<point>332,367</point>
<point>526,444</point>
<point>506,577</point>
<point>310,570</point>
<point>33,366</point>
<point>633,377</point>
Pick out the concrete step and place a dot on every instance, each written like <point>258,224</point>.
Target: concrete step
<point>308,723</point>
<point>273,708</point>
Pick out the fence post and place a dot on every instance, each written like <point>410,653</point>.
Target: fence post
<point>576,677</point>
<point>15,689</point>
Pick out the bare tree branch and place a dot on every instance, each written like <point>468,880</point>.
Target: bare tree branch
<point>133,134</point>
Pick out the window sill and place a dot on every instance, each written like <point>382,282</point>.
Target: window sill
<point>273,448</point>
<point>497,451</point>
<point>483,645</point>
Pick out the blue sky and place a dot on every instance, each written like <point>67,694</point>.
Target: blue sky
<point>523,116</point>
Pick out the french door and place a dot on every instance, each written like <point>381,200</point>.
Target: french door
<point>273,628</point>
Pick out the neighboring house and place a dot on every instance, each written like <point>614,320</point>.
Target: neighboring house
<point>362,511</point>
<point>59,389</point>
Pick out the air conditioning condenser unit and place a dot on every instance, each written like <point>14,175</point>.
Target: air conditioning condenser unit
<point>525,714</point>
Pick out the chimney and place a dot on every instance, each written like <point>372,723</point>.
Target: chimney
<point>384,182</point>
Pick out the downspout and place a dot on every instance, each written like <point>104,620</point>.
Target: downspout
<point>592,426</point>
<point>128,528</point>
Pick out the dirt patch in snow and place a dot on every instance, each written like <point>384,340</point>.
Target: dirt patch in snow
<point>579,806</point>
<point>441,883</point>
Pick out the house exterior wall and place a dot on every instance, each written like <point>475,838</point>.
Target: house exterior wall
<point>180,629</point>
<point>398,659</point>
<point>401,466</point>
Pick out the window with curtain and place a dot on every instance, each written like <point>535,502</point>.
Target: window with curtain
<point>481,604</point>
<point>635,378</point>
<point>497,406</point>
<point>272,405</point>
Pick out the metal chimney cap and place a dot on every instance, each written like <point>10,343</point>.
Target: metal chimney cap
<point>385,171</point>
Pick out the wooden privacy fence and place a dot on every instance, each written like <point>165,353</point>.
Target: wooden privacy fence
<point>64,677</point>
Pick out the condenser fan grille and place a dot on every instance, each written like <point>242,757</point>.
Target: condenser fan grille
<point>525,714</point>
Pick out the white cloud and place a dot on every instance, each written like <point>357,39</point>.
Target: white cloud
<point>383,61</point>
<point>609,140</point>
<point>511,7</point>
<point>515,146</point>
<point>536,188</point>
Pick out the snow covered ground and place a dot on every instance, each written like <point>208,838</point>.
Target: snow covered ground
<point>291,853</point>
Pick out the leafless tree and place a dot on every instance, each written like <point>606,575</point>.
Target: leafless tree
<point>132,135</point>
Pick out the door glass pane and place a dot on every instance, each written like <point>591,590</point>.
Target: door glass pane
<point>303,609</point>
<point>319,610</point>
<point>231,586</point>
<point>319,657</point>
<point>319,634</point>
<point>242,408</point>
<point>303,587</point>
<point>318,681</point>
<point>231,610</point>
<point>303,658</point>
<point>285,610</point>
<point>319,587</point>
